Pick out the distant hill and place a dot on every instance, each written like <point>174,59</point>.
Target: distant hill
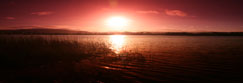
<point>42,31</point>
<point>45,31</point>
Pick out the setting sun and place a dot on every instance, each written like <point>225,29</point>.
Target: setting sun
<point>117,22</point>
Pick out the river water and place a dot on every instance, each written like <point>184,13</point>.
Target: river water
<point>156,58</point>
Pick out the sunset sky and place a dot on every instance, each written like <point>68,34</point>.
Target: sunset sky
<point>140,15</point>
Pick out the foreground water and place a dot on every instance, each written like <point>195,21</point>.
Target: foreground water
<point>157,58</point>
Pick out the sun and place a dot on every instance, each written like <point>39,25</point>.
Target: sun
<point>117,22</point>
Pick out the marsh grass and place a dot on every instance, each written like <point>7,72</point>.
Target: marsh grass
<point>38,51</point>
<point>28,59</point>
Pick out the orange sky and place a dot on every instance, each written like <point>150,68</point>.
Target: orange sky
<point>144,15</point>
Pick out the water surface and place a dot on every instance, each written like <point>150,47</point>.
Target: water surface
<point>156,58</point>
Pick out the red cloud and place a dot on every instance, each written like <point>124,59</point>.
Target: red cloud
<point>10,18</point>
<point>42,13</point>
<point>148,12</point>
<point>175,13</point>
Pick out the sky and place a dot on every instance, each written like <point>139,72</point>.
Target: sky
<point>142,15</point>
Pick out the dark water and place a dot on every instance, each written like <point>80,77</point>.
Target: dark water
<point>166,58</point>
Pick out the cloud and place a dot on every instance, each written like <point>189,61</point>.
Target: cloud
<point>43,13</point>
<point>175,13</point>
<point>10,18</point>
<point>113,3</point>
<point>148,12</point>
<point>67,27</point>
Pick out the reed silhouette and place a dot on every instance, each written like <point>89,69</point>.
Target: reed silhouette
<point>35,59</point>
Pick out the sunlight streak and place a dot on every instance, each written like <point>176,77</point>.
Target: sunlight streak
<point>117,43</point>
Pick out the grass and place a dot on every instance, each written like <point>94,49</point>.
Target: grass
<point>35,59</point>
<point>38,51</point>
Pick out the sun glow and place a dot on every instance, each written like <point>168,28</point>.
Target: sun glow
<point>117,23</point>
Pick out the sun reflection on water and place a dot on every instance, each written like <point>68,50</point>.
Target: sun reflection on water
<point>117,43</point>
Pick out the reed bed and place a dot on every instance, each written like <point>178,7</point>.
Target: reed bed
<point>27,59</point>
